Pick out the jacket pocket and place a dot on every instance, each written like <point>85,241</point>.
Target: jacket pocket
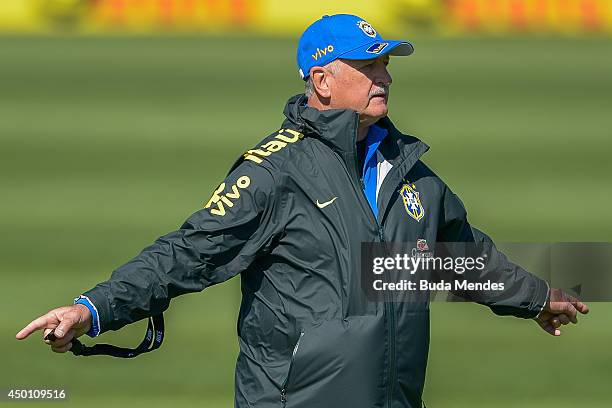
<point>291,365</point>
<point>338,363</point>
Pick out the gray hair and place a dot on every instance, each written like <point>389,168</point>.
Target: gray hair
<point>333,66</point>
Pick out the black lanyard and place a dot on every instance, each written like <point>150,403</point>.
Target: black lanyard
<point>153,340</point>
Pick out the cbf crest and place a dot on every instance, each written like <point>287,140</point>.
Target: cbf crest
<point>412,201</point>
<point>367,28</point>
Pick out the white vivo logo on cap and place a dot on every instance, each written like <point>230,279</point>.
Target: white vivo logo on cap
<point>367,28</point>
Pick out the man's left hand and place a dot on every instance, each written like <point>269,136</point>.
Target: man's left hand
<point>561,309</point>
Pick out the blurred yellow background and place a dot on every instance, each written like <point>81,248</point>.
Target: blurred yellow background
<point>271,17</point>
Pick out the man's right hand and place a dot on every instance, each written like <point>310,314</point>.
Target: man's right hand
<point>68,321</point>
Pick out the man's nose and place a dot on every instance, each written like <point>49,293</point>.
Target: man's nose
<point>384,77</point>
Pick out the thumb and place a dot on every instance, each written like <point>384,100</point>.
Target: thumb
<point>66,322</point>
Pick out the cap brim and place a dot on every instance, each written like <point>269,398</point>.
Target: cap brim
<point>376,49</point>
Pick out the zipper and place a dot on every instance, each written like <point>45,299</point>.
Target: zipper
<point>389,307</point>
<point>283,393</point>
<point>390,311</point>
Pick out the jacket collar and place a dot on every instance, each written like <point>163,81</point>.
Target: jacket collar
<point>338,128</point>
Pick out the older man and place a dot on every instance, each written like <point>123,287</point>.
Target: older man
<point>291,218</point>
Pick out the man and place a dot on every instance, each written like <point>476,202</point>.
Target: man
<point>290,218</point>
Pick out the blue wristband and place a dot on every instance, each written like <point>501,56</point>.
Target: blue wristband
<point>95,318</point>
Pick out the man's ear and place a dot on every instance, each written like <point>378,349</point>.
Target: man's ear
<point>320,81</point>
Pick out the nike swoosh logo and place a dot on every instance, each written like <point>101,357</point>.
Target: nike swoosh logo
<point>325,204</point>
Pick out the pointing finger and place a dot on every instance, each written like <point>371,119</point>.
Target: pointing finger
<point>34,325</point>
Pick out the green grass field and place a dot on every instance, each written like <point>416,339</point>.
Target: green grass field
<point>106,144</point>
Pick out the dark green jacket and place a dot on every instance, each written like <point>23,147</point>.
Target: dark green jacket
<point>308,336</point>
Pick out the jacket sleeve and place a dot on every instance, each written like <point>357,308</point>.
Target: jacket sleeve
<point>524,294</point>
<point>214,244</point>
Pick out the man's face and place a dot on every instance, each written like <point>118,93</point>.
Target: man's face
<point>363,86</point>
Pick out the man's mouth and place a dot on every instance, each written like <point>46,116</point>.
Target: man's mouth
<point>379,95</point>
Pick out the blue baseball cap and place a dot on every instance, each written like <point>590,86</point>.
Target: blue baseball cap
<point>343,36</point>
